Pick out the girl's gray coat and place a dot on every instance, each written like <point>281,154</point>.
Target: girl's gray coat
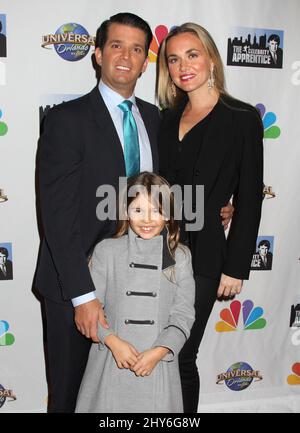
<point>146,309</point>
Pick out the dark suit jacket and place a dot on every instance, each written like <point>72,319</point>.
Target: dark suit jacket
<point>268,265</point>
<point>80,150</point>
<point>9,271</point>
<point>279,54</point>
<point>230,162</point>
<point>2,45</point>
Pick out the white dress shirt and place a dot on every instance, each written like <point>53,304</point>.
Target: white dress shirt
<point>112,99</point>
<point>3,269</point>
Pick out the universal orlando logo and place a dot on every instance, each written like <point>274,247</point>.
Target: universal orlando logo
<point>71,42</point>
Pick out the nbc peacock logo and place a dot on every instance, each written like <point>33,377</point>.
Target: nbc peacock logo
<point>268,118</point>
<point>160,33</point>
<point>3,126</point>
<point>252,317</point>
<point>294,379</point>
<point>6,339</point>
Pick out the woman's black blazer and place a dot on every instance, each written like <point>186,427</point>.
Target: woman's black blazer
<point>229,163</point>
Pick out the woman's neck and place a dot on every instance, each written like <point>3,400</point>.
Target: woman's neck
<point>202,99</point>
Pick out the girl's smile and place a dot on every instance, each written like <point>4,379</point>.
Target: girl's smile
<point>145,218</point>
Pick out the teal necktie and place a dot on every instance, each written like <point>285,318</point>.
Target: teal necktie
<point>131,140</point>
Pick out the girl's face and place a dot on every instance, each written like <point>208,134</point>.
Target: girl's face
<point>189,65</point>
<point>144,217</point>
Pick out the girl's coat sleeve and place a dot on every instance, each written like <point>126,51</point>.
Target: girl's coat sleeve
<point>182,314</point>
<point>99,277</point>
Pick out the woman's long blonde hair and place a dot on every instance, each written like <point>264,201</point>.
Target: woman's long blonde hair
<point>164,92</point>
<point>147,180</point>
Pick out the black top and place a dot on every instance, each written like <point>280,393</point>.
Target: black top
<point>186,152</point>
<point>188,149</point>
<point>229,162</point>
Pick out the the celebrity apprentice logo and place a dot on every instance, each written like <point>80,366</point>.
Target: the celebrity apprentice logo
<point>6,394</point>
<point>260,48</point>
<point>263,256</point>
<point>71,41</point>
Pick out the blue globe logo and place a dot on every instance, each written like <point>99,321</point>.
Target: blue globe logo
<point>75,44</point>
<point>238,380</point>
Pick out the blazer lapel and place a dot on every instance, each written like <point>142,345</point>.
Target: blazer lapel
<point>213,148</point>
<point>108,135</point>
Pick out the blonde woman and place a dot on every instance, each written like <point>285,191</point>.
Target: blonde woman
<point>209,138</point>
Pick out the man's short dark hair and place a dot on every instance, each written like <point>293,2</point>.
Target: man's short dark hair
<point>264,242</point>
<point>4,251</point>
<point>275,38</point>
<point>127,19</point>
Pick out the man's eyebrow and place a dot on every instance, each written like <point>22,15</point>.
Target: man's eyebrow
<point>119,41</point>
<point>115,41</point>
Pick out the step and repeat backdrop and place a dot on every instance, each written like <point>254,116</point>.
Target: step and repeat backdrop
<point>249,359</point>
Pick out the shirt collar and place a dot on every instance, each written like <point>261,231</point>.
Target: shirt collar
<point>111,98</point>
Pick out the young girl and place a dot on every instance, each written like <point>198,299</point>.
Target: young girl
<point>144,280</point>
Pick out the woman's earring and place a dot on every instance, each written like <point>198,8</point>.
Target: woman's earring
<point>211,80</point>
<point>173,90</point>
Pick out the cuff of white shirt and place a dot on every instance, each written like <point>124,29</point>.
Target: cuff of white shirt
<point>83,299</point>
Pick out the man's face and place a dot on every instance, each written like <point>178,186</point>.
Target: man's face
<point>273,45</point>
<point>2,259</point>
<point>123,58</point>
<point>263,249</point>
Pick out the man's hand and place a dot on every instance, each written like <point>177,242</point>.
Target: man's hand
<point>226,214</point>
<point>229,286</point>
<point>124,353</point>
<point>87,317</point>
<point>148,360</point>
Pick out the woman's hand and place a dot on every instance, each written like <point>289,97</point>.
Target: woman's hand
<point>148,360</point>
<point>229,286</point>
<point>124,353</point>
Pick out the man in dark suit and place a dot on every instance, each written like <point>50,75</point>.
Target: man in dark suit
<point>6,270</point>
<point>2,42</point>
<point>83,147</point>
<point>275,51</point>
<point>265,257</point>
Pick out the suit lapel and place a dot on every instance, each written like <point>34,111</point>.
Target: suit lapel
<point>107,133</point>
<point>109,136</point>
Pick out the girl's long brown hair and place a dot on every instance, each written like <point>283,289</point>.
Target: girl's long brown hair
<point>147,180</point>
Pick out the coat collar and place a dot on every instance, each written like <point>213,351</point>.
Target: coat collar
<point>156,248</point>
